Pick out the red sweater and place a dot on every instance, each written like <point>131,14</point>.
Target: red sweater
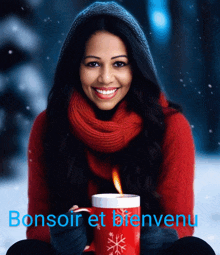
<point>175,183</point>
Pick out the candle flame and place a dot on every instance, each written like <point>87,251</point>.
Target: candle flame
<point>116,180</point>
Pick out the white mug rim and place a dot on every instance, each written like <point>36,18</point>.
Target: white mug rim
<point>115,200</point>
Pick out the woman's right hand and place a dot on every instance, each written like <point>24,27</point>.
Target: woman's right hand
<point>70,239</point>
<point>74,207</point>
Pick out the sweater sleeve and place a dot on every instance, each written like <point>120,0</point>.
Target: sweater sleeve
<point>37,187</point>
<point>177,177</point>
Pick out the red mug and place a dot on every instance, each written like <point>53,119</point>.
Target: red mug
<point>116,222</point>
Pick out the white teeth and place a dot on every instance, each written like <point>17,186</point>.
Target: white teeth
<point>106,92</point>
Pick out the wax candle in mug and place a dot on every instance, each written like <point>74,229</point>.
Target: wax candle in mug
<point>116,226</point>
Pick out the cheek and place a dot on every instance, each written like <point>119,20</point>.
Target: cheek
<point>86,77</point>
<point>127,79</point>
<point>85,81</point>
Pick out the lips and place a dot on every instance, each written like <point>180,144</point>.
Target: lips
<point>105,93</point>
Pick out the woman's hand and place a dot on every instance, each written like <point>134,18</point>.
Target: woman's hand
<point>70,239</point>
<point>74,207</point>
<point>154,239</point>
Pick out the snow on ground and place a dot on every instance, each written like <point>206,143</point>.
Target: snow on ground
<point>13,196</point>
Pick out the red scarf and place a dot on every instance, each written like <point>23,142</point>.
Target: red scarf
<point>102,136</point>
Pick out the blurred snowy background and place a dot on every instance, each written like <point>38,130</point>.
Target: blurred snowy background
<point>184,37</point>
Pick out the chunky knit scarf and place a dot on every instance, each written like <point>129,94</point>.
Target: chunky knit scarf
<point>104,137</point>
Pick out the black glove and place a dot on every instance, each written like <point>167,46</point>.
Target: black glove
<point>71,239</point>
<point>155,239</point>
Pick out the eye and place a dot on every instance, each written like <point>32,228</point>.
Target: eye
<point>120,64</point>
<point>92,64</point>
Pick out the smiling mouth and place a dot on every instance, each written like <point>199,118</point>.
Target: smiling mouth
<point>105,93</point>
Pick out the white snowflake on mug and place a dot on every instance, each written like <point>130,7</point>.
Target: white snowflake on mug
<point>123,213</point>
<point>116,245</point>
<point>137,236</point>
<point>98,226</point>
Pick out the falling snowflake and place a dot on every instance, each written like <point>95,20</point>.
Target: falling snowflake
<point>123,213</point>
<point>117,245</point>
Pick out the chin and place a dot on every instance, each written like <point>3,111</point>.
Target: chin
<point>105,108</point>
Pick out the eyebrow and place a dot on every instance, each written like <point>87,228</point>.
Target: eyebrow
<point>119,56</point>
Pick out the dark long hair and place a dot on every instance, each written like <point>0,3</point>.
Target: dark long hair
<point>67,168</point>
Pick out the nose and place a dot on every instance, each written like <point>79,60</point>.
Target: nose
<point>106,75</point>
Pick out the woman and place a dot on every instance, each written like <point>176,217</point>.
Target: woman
<point>107,111</point>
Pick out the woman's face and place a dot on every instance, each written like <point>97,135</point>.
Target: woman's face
<point>105,71</point>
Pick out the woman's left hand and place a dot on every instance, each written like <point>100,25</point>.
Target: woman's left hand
<point>154,239</point>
